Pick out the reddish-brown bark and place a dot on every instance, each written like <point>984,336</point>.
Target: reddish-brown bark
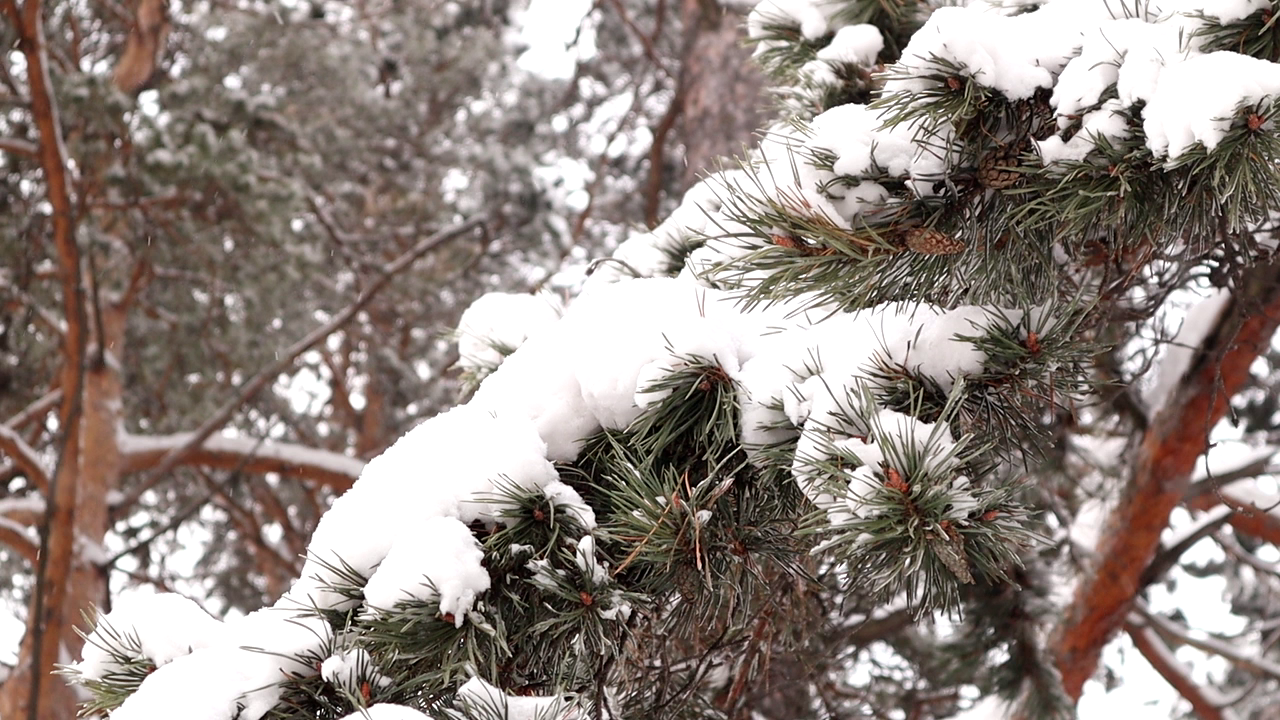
<point>143,49</point>
<point>31,692</point>
<point>1166,456</point>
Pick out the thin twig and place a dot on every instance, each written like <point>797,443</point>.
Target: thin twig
<point>267,375</point>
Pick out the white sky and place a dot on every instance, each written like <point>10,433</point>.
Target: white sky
<point>548,28</point>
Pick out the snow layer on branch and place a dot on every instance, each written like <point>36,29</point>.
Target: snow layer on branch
<point>497,323</point>
<point>656,253</point>
<point>1015,55</point>
<point>235,679</point>
<point>1106,123</point>
<point>584,373</point>
<point>166,626</point>
<point>1195,101</point>
<point>931,347</point>
<point>483,699</point>
<point>347,669</point>
<point>1196,326</point>
<point>862,146</point>
<point>439,559</point>
<point>812,17</point>
<point>1084,49</point>
<point>857,45</point>
<point>451,466</point>
<point>1226,458</point>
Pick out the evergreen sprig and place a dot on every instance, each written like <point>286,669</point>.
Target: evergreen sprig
<point>932,523</point>
<point>130,666</point>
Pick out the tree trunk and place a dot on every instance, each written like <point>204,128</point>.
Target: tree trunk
<point>723,102</point>
<point>100,472</point>
<point>84,582</point>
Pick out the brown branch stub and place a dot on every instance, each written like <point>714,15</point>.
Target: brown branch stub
<point>141,54</point>
<point>1161,472</point>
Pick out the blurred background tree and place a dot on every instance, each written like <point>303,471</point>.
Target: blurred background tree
<point>234,239</point>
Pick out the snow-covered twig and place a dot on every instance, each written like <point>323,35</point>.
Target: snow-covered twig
<point>1207,703</point>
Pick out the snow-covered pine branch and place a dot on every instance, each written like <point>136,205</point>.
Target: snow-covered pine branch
<point>835,363</point>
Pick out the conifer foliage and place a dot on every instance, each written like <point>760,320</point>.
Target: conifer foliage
<point>811,409</point>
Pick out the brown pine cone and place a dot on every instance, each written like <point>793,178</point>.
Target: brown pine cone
<point>928,241</point>
<point>994,171</point>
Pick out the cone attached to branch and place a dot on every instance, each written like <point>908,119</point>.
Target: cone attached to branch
<point>928,241</point>
<point>997,170</point>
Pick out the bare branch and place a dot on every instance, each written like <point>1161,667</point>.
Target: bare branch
<point>288,356</point>
<point>35,410</point>
<point>24,456</point>
<point>646,42</point>
<point>140,453</point>
<point>1178,633</point>
<point>1168,557</point>
<point>15,535</point>
<point>1162,659</point>
<point>19,147</point>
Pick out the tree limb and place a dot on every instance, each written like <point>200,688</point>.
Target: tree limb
<point>141,53</point>
<point>1168,557</point>
<point>140,453</point>
<point>13,534</point>
<point>1246,516</point>
<point>36,409</point>
<point>1173,631</point>
<point>1161,472</point>
<point>19,147</point>
<point>1162,659</point>
<point>267,375</point>
<point>24,456</point>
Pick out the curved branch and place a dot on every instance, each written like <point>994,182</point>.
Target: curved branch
<point>1173,631</point>
<point>141,453</point>
<point>14,535</point>
<point>1162,659</point>
<point>24,456</point>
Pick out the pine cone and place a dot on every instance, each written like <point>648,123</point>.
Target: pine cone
<point>950,550</point>
<point>994,171</point>
<point>928,241</point>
